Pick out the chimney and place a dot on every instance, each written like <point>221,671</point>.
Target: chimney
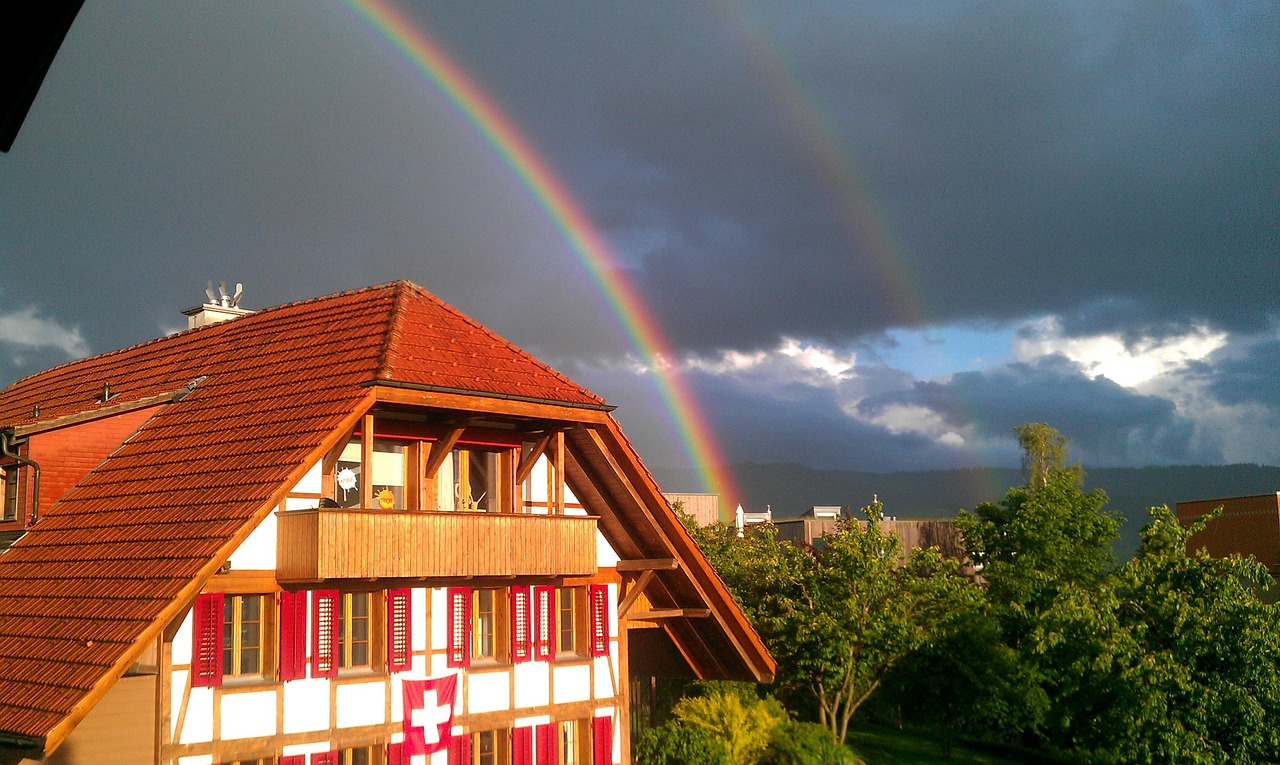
<point>220,307</point>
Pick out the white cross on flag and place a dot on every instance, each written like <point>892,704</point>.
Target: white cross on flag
<point>428,714</point>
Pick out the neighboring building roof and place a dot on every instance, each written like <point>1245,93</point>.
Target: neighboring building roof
<point>241,409</point>
<point>1248,526</point>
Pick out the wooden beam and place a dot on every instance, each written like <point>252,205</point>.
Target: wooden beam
<point>647,564</point>
<point>633,591</point>
<point>483,404</point>
<point>439,450</point>
<point>658,614</point>
<point>529,460</point>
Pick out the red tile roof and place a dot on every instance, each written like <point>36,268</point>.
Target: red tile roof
<point>128,544</point>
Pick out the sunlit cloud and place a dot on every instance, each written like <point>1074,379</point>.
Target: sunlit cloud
<point>1134,364</point>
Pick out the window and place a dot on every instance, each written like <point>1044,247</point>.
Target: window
<point>487,747</point>
<point>469,480</point>
<point>229,637</point>
<point>570,743</point>
<point>390,463</point>
<point>348,484</point>
<point>10,479</point>
<point>354,630</point>
<point>244,622</point>
<point>484,621</point>
<point>567,620</point>
<point>358,756</point>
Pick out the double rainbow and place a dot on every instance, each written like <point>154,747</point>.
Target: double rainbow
<point>637,321</point>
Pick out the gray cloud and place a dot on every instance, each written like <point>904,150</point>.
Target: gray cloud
<point>823,171</point>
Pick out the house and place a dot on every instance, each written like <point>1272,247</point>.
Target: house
<point>295,535</point>
<point>1248,526</point>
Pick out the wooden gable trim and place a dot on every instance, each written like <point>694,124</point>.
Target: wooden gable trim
<point>632,483</point>
<point>391,393</point>
<point>21,431</point>
<point>179,605</point>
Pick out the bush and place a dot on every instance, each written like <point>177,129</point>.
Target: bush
<point>676,744</point>
<point>805,743</point>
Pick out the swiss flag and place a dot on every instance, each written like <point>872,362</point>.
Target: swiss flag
<point>428,714</point>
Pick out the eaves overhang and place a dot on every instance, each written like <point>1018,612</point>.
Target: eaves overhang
<point>481,395</point>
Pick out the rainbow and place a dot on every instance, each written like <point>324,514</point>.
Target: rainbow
<point>637,321</point>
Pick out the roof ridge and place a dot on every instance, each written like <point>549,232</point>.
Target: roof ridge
<point>395,329</point>
<point>217,326</point>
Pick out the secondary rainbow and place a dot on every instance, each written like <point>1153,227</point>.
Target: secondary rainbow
<point>637,321</point>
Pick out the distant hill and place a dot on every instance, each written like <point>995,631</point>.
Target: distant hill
<point>791,489</point>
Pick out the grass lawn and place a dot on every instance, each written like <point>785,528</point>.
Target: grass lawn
<point>890,746</point>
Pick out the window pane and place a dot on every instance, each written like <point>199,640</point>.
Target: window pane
<point>484,624</point>
<point>567,622</point>
<point>389,473</point>
<point>354,629</point>
<point>347,475</point>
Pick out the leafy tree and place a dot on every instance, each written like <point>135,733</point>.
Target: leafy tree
<point>1044,452</point>
<point>838,616</point>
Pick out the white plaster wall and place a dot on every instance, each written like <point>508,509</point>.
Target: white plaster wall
<point>178,682</point>
<point>606,683</point>
<point>198,726</point>
<point>360,704</point>
<point>488,692</point>
<point>605,555</point>
<point>306,705</point>
<point>199,759</point>
<point>258,552</point>
<point>247,715</point>
<point>532,684</point>
<point>310,483</point>
<point>182,641</point>
<point>572,683</point>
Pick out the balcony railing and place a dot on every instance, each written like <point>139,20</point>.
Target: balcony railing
<point>331,543</point>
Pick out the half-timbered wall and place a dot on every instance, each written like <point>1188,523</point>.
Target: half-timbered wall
<point>238,718</point>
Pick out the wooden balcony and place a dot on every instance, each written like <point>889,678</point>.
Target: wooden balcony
<point>328,543</point>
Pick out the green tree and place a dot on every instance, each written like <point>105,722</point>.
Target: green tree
<point>1044,452</point>
<point>838,616</point>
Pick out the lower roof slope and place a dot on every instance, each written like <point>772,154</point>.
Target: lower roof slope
<point>126,549</point>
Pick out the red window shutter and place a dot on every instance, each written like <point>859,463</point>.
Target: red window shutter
<point>602,741</point>
<point>324,633</point>
<point>325,758</point>
<point>459,626</point>
<point>544,622</point>
<point>520,632</point>
<point>599,620</point>
<point>395,754</point>
<point>460,749</point>
<point>206,641</point>
<point>399,636</point>
<point>292,759</point>
<point>522,746</point>
<point>293,635</point>
<point>547,744</point>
